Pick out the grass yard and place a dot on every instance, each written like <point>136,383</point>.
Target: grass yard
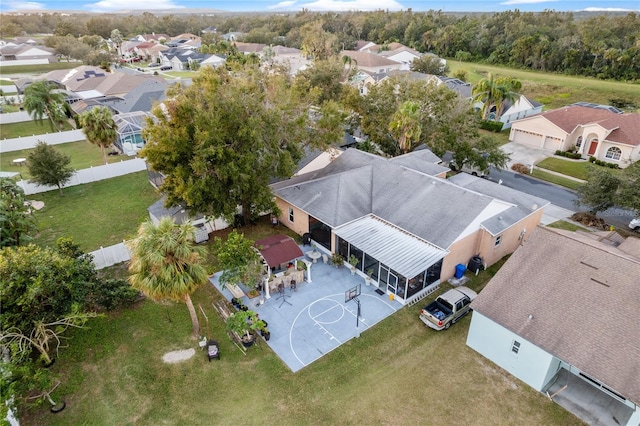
<point>4,82</point>
<point>37,69</point>
<point>29,128</point>
<point>398,372</point>
<point>558,180</point>
<point>577,169</point>
<point>83,155</point>
<point>501,137</point>
<point>96,214</point>
<point>553,90</point>
<point>567,226</point>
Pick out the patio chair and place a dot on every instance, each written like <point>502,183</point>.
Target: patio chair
<point>213,350</point>
<point>325,258</point>
<point>293,285</point>
<point>306,239</point>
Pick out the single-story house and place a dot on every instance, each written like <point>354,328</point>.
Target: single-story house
<point>129,127</point>
<point>521,108</point>
<point>371,62</point>
<point>404,222</point>
<point>26,51</point>
<point>403,54</point>
<point>463,89</point>
<point>562,316</point>
<point>598,132</point>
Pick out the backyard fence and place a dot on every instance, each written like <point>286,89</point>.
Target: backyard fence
<point>15,117</point>
<point>29,142</point>
<point>112,255</point>
<point>92,174</point>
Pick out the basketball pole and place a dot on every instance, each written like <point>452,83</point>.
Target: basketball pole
<point>357,318</point>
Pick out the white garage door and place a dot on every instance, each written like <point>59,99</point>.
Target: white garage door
<point>527,138</point>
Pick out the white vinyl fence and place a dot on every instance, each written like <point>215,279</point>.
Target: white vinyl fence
<point>92,174</point>
<point>112,255</point>
<point>29,142</point>
<point>15,117</point>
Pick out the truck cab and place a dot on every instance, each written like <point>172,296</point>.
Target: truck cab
<point>448,308</point>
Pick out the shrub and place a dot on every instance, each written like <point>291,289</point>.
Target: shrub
<point>492,126</point>
<point>109,294</point>
<point>520,168</point>
<point>568,154</point>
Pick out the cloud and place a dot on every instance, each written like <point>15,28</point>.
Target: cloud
<point>512,2</point>
<point>114,5</point>
<point>608,9</point>
<point>23,5</point>
<point>283,5</point>
<point>340,5</point>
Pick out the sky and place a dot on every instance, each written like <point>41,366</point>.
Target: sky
<point>323,5</point>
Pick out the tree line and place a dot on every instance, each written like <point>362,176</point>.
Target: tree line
<point>587,44</point>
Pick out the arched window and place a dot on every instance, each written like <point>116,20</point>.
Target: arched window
<point>579,142</point>
<point>613,153</point>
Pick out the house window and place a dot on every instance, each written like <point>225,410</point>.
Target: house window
<point>613,153</point>
<point>515,347</point>
<point>498,241</point>
<point>579,142</point>
<point>290,214</point>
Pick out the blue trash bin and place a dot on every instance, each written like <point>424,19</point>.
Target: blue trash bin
<point>460,268</point>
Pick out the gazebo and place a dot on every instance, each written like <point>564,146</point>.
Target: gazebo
<point>278,251</point>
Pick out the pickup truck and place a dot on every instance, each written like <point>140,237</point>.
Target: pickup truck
<point>448,308</point>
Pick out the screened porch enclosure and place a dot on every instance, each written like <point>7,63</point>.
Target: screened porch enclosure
<point>401,264</point>
<point>130,125</point>
<point>320,232</point>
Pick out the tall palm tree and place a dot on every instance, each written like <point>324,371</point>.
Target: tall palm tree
<point>166,264</point>
<point>40,100</point>
<point>405,125</point>
<point>99,128</point>
<point>493,93</point>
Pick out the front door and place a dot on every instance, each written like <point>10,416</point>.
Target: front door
<point>593,147</point>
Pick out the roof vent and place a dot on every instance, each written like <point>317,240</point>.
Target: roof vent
<point>530,316</point>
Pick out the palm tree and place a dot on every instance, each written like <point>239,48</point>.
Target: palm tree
<point>405,125</point>
<point>40,100</point>
<point>494,92</point>
<point>166,264</point>
<point>99,128</point>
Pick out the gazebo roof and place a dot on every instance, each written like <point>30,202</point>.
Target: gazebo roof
<point>278,249</point>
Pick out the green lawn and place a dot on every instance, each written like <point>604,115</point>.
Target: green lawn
<point>577,169</point>
<point>398,372</point>
<point>38,69</point>
<point>501,137</point>
<point>83,155</point>
<point>553,90</point>
<point>558,180</point>
<point>29,128</point>
<point>567,226</point>
<point>6,82</point>
<point>96,214</point>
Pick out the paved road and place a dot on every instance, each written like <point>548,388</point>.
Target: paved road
<point>557,195</point>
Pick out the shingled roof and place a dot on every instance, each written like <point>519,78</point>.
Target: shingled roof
<point>575,298</point>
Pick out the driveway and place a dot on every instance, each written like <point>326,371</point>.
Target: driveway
<point>524,154</point>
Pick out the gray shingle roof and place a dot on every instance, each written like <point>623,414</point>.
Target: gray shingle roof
<point>583,297</point>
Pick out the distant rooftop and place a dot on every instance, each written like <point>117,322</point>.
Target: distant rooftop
<point>597,106</point>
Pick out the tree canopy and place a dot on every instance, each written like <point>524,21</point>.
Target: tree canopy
<point>605,189</point>
<point>239,260</point>
<point>48,166</point>
<point>220,141</point>
<point>17,223</point>
<point>41,99</point>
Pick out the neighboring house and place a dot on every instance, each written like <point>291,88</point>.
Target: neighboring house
<point>291,57</point>
<point>179,59</point>
<point>249,48</point>
<point>156,38</point>
<point>365,46</point>
<point>233,36</point>
<point>403,54</point>
<point>592,131</point>
<point>523,107</point>
<point>562,316</point>
<point>22,52</point>
<point>371,62</point>
<point>212,61</point>
<point>403,220</point>
<point>140,98</point>
<point>462,88</point>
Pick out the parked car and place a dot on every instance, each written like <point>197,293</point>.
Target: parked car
<point>166,67</point>
<point>635,224</point>
<point>153,65</point>
<point>467,169</point>
<point>448,308</point>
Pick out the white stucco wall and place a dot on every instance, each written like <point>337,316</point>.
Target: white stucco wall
<point>532,365</point>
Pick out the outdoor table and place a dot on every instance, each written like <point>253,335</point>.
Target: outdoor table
<point>314,255</point>
<point>20,161</point>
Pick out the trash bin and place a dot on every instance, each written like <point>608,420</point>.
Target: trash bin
<point>475,264</point>
<point>460,268</point>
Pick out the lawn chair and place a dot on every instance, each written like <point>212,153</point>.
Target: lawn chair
<point>213,350</point>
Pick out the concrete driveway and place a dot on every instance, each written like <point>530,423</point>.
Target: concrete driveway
<point>524,154</point>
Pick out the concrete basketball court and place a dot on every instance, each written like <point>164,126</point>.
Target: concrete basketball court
<point>314,320</point>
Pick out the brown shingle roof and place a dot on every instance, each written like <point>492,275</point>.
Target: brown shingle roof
<point>584,300</point>
<point>569,117</point>
<point>365,59</point>
<point>627,128</point>
<point>278,249</point>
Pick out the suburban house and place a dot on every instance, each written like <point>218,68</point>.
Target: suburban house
<point>290,57</point>
<point>403,221</point>
<point>562,316</point>
<point>462,88</point>
<point>22,54</point>
<point>371,62</point>
<point>591,130</point>
<point>403,54</point>
<point>521,108</point>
